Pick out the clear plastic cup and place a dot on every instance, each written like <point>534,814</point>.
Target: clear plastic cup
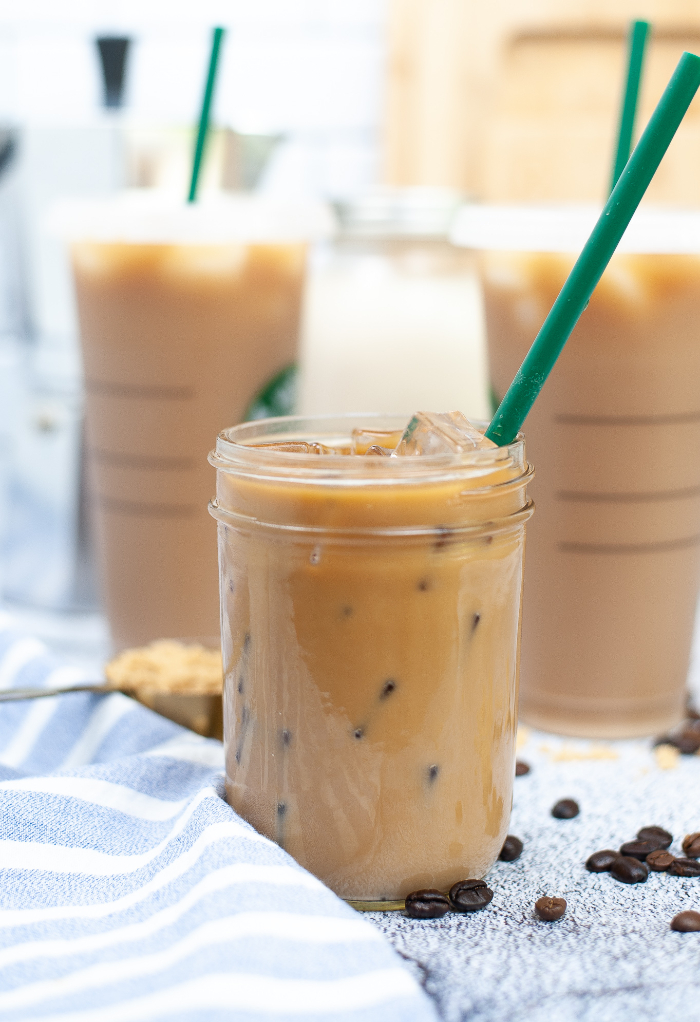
<point>613,561</point>
<point>370,619</point>
<point>187,313</point>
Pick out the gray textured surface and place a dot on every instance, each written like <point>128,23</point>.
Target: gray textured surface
<point>613,955</point>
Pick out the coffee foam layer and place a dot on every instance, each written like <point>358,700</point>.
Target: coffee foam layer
<point>146,216</point>
<point>567,228</point>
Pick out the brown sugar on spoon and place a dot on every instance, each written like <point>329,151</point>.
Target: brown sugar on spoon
<point>181,681</point>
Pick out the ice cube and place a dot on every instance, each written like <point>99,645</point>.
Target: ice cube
<point>363,439</point>
<point>441,433</point>
<point>382,452</point>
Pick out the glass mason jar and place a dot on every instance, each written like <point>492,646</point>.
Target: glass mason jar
<point>392,312</point>
<point>370,627</point>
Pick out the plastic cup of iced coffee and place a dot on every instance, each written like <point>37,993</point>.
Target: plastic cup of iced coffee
<point>187,313</point>
<point>370,603</point>
<point>613,563</point>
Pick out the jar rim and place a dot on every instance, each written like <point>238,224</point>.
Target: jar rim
<point>236,453</point>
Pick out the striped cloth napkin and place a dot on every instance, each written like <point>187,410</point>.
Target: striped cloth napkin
<point>130,890</point>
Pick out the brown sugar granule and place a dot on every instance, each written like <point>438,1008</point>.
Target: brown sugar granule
<point>167,667</point>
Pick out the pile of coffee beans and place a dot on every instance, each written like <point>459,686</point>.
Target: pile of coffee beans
<point>635,859</point>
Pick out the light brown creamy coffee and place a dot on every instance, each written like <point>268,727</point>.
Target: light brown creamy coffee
<point>186,313</point>
<point>370,619</point>
<point>177,339</point>
<point>613,562</point>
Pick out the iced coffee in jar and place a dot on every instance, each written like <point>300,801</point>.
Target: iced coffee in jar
<point>370,595</point>
<point>613,567</point>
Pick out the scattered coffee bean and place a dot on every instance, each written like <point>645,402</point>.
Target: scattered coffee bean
<point>628,870</point>
<point>550,909</point>
<point>685,738</point>
<point>427,904</point>
<point>684,868</point>
<point>659,861</point>
<point>600,862</point>
<point>566,809</point>
<point>521,768</point>
<point>691,845</point>
<point>687,742</point>
<point>470,896</point>
<point>512,849</point>
<point>686,922</point>
<point>655,834</point>
<point>639,849</point>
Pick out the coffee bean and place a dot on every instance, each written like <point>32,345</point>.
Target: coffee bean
<point>628,870</point>
<point>521,768</point>
<point>427,904</point>
<point>684,868</point>
<point>686,922</point>
<point>685,738</point>
<point>691,845</point>
<point>550,909</point>
<point>659,861</point>
<point>600,862</point>
<point>512,849</point>
<point>566,809</point>
<point>639,849</point>
<point>687,741</point>
<point>655,834</point>
<point>470,895</point>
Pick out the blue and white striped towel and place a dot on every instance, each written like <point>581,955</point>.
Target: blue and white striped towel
<point>130,890</point>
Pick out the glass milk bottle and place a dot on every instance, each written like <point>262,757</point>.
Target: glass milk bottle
<point>393,319</point>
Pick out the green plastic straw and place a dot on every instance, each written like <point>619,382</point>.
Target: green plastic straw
<point>636,46</point>
<point>204,116</point>
<point>597,251</point>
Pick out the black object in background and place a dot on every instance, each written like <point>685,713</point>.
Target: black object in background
<point>113,53</point>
